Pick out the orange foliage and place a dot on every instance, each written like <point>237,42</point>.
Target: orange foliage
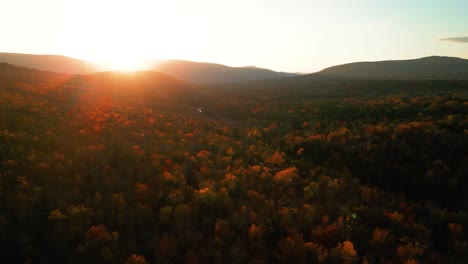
<point>203,153</point>
<point>316,137</point>
<point>455,229</point>
<point>141,187</point>
<point>168,176</point>
<point>300,151</point>
<point>255,232</point>
<point>99,233</point>
<point>396,217</point>
<point>327,236</point>
<point>277,158</point>
<point>136,259</point>
<point>286,175</point>
<point>348,248</point>
<point>380,235</point>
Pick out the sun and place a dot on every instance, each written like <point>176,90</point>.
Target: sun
<point>127,64</point>
<point>128,35</point>
<point>118,60</point>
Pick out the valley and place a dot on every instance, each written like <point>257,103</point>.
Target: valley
<point>143,167</point>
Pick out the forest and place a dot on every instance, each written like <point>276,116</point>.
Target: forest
<point>113,168</point>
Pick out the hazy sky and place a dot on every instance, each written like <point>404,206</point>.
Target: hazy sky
<point>287,35</point>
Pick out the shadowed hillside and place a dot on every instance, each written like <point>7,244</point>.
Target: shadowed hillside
<point>435,68</point>
<point>201,72</point>
<point>428,68</point>
<point>55,63</point>
<point>400,69</point>
<point>145,88</point>
<point>196,72</point>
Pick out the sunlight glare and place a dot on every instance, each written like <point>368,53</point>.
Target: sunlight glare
<point>126,64</point>
<point>128,35</point>
<point>117,59</point>
<point>119,41</point>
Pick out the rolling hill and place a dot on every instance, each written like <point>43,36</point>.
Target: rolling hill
<point>54,63</point>
<point>427,67</point>
<point>205,73</point>
<point>196,72</point>
<point>142,88</point>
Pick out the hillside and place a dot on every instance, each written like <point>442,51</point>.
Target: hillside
<point>146,88</point>
<point>135,82</point>
<point>427,67</point>
<point>435,68</point>
<point>196,72</point>
<point>55,63</point>
<point>205,73</point>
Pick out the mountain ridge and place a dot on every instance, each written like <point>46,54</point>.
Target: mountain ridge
<point>208,73</point>
<point>431,67</point>
<point>410,68</point>
<point>426,68</point>
<point>53,63</point>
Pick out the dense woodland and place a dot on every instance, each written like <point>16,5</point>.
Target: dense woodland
<point>116,168</point>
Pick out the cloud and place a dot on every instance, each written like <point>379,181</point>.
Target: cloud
<point>457,39</point>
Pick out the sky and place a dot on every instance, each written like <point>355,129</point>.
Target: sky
<point>288,35</point>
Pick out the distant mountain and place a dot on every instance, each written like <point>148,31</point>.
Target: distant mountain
<point>398,69</point>
<point>196,72</point>
<point>54,63</point>
<point>206,73</point>
<point>428,68</point>
<point>434,67</point>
